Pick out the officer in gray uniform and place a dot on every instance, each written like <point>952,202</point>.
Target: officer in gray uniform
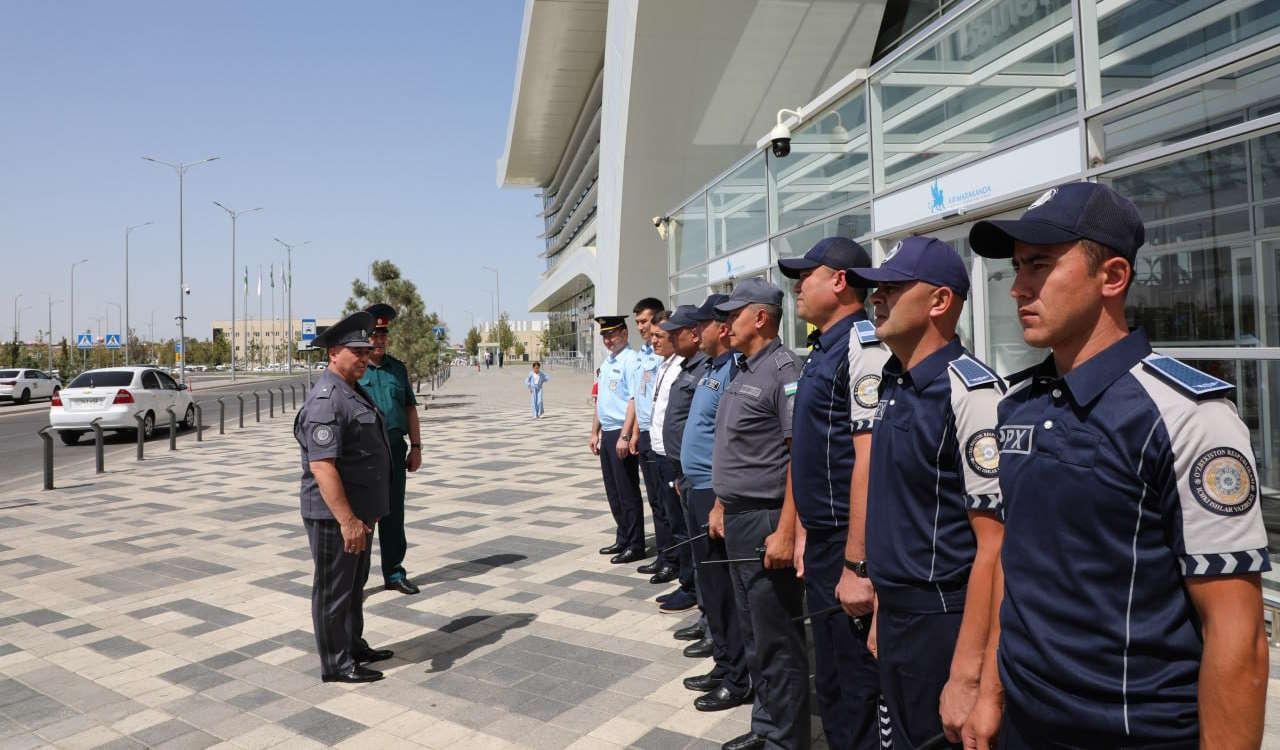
<point>751,469</point>
<point>346,488</point>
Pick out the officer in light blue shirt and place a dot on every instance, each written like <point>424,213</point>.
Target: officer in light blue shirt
<point>619,383</point>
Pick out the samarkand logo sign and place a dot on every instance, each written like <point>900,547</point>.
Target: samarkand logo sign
<point>940,202</point>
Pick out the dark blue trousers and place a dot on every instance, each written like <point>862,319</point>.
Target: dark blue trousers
<point>915,663</point>
<point>1020,731</point>
<point>682,557</point>
<point>715,591</point>
<point>622,488</point>
<point>846,677</point>
<point>653,491</point>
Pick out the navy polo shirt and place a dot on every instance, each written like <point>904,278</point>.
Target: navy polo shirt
<point>934,459</point>
<point>1121,479</point>
<point>828,413</point>
<point>699,430</point>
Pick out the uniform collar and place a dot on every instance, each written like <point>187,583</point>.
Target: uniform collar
<point>614,357</point>
<point>1088,380</point>
<point>694,361</point>
<point>930,367</point>
<point>337,383</point>
<point>750,363</point>
<point>824,340</point>
<point>647,349</point>
<point>719,361</point>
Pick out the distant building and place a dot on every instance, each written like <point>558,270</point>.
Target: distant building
<point>527,332</point>
<point>263,341</point>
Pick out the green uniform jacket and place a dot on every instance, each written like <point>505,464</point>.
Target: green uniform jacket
<point>388,385</point>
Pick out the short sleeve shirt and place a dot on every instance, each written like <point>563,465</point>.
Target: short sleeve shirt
<point>679,402</point>
<point>649,364</point>
<point>535,380</point>
<point>619,382</point>
<point>661,395</point>
<point>1121,480</point>
<point>340,422</point>
<point>934,460</point>
<point>699,431</point>
<point>753,424</point>
<point>388,385</point>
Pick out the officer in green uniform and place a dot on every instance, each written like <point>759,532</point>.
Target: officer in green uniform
<point>387,382</point>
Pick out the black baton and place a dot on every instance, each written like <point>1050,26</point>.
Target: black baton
<point>758,559</point>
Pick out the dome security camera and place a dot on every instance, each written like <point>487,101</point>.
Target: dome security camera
<point>780,136</point>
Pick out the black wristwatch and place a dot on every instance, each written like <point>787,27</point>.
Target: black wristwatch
<point>859,567</point>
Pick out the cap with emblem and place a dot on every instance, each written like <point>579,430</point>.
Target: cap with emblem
<point>1070,212</point>
<point>610,323</point>
<point>352,331</point>
<point>839,253</point>
<point>751,292</point>
<point>927,259</point>
<point>382,314</point>
<point>682,317</point>
<point>707,310</point>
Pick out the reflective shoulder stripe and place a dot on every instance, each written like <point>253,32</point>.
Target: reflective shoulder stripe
<point>1187,379</point>
<point>866,332</point>
<point>973,373</point>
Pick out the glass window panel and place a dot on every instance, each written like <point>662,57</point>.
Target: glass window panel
<point>738,208</point>
<point>829,165</point>
<point>1143,41</point>
<point>695,296</point>
<point>1227,100</point>
<point>852,224</point>
<point>1003,68</point>
<point>689,277</point>
<point>687,234</point>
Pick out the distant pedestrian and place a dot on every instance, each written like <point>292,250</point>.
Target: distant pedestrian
<point>595,388</point>
<point>533,381</point>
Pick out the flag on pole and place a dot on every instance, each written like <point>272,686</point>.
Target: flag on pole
<point>246,279</point>
<point>273,275</point>
<point>259,281</point>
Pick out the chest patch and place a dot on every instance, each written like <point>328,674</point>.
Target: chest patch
<point>1016,438</point>
<point>866,392</point>
<point>1222,481</point>
<point>879,411</point>
<point>982,452</point>
<point>790,388</point>
<point>750,390</point>
<point>711,383</point>
<point>613,384</point>
<point>322,434</point>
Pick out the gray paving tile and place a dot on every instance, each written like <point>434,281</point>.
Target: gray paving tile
<point>162,732</point>
<point>322,726</point>
<point>117,647</point>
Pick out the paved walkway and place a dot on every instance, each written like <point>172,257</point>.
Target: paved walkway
<point>165,604</point>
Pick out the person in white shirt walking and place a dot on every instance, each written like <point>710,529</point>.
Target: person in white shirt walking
<point>533,381</point>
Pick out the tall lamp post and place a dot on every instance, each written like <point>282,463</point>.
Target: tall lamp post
<point>234,215</point>
<point>52,302</point>
<point>71,301</point>
<point>288,249</point>
<point>17,298</point>
<point>497,292</point>
<point>125,322</point>
<point>119,319</point>
<point>181,169</point>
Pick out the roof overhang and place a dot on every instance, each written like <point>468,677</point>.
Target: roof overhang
<point>561,51</point>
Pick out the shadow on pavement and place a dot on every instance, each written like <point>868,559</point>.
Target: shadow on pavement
<point>496,626</point>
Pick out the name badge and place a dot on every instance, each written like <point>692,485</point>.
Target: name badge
<point>1016,438</point>
<point>711,383</point>
<point>613,385</point>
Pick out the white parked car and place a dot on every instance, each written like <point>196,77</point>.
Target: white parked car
<point>117,394</point>
<point>22,385</point>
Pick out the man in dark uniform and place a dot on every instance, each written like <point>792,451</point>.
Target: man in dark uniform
<point>387,383</point>
<point>751,465</point>
<point>831,456</point>
<point>346,475</point>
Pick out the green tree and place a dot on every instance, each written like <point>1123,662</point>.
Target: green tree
<point>472,343</point>
<point>502,335</point>
<point>412,333</point>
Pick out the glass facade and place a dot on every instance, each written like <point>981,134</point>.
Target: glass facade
<point>570,336</point>
<point>1177,106</point>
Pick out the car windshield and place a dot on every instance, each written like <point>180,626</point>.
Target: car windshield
<point>8,373</point>
<point>102,378</point>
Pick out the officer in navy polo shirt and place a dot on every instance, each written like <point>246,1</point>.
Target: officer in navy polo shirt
<point>933,534</point>
<point>751,464</point>
<point>831,456</point>
<point>1134,541</point>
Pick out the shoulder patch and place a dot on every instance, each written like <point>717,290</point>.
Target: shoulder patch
<point>1022,375</point>
<point>1186,378</point>
<point>866,332</point>
<point>973,372</point>
<point>783,357</point>
<point>789,389</point>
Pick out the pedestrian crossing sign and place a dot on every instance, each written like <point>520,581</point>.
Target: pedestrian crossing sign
<point>84,340</point>
<point>113,341</point>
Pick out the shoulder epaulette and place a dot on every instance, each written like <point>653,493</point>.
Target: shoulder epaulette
<point>323,390</point>
<point>1021,375</point>
<point>973,373</point>
<point>1184,377</point>
<point>783,357</point>
<point>866,332</point>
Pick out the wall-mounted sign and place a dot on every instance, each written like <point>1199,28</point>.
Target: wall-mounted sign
<point>740,264</point>
<point>1054,157</point>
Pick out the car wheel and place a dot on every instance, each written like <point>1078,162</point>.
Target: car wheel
<point>148,426</point>
<point>25,397</point>
<point>69,437</point>
<point>189,419</point>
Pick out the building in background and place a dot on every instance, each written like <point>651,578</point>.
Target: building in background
<point>259,342</point>
<point>528,334</point>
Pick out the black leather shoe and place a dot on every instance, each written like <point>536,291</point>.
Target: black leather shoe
<point>698,650</point>
<point>748,741</point>
<point>649,568</point>
<point>692,633</point>
<point>665,574</point>
<point>703,683</point>
<point>721,699</point>
<point>628,556</point>
<point>401,584</point>
<point>355,674</point>
<point>370,655</point>
<point>612,549</point>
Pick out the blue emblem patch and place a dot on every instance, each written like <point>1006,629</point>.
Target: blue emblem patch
<point>973,372</point>
<point>1016,438</point>
<point>866,332</point>
<point>1186,378</point>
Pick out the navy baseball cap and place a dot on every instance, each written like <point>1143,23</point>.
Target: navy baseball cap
<point>707,310</point>
<point>681,317</point>
<point>927,259</point>
<point>352,332</point>
<point>751,291</point>
<point>840,253</point>
<point>1066,213</point>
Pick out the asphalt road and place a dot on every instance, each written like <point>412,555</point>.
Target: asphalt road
<point>22,451</point>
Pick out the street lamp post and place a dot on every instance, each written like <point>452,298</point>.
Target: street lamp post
<point>181,169</point>
<point>125,322</point>
<point>497,291</point>
<point>234,215</point>
<point>52,302</point>
<point>71,301</point>
<point>152,337</point>
<point>288,249</point>
<point>120,320</point>
<point>16,299</point>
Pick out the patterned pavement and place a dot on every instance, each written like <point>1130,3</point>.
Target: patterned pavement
<point>166,604</point>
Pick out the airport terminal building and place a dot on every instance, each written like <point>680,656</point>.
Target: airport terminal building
<point>914,117</point>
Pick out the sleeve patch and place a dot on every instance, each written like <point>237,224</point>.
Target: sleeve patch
<point>867,391</point>
<point>990,502</point>
<point>322,434</point>
<point>1186,378</point>
<point>866,331</point>
<point>1226,563</point>
<point>789,389</point>
<point>1222,480</point>
<point>982,452</point>
<point>973,372</point>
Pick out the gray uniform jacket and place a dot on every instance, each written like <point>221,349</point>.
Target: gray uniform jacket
<point>339,421</point>
<point>753,423</point>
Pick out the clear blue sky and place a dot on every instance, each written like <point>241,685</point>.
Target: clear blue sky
<point>370,129</point>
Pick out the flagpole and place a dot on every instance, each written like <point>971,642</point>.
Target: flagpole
<point>245,307</point>
<point>264,348</point>
<point>273,313</point>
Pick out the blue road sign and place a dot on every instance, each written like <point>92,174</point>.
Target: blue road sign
<point>84,340</point>
<point>113,341</point>
<point>177,347</point>
<point>308,330</point>
<point>440,332</point>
